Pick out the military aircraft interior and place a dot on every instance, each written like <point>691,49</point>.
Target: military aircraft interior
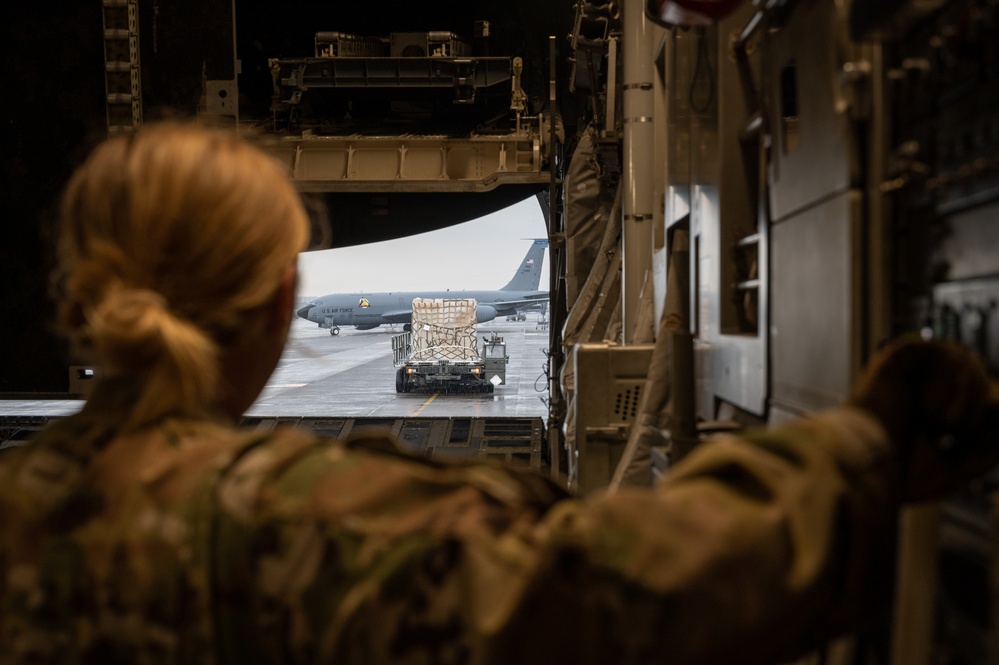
<point>744,200</point>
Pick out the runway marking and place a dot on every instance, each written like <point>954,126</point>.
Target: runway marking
<point>288,385</point>
<point>426,404</point>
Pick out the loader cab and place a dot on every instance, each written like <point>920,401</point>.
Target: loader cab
<point>495,358</point>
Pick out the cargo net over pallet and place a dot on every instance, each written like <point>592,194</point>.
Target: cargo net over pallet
<point>444,329</point>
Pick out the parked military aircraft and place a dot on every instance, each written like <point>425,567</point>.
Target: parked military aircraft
<point>366,311</point>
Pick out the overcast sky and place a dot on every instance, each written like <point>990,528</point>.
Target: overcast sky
<point>480,254</point>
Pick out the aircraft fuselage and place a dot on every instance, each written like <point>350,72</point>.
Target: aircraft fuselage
<point>369,310</point>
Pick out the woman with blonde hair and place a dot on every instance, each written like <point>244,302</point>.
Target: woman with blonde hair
<point>149,529</point>
<point>177,275</point>
<point>172,240</point>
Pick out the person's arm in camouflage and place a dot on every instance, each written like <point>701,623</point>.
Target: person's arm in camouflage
<point>757,547</point>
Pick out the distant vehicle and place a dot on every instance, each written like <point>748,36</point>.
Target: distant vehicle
<point>519,316</point>
<point>366,311</point>
<point>441,352</point>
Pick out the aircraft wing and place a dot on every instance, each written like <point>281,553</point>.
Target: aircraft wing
<point>507,304</point>
<point>398,316</point>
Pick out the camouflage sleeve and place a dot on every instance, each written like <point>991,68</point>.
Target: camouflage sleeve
<point>748,553</point>
<point>364,557</point>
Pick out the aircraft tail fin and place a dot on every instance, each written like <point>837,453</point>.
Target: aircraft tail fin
<point>528,275</point>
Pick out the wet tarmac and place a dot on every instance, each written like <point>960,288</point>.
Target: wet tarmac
<point>352,375</point>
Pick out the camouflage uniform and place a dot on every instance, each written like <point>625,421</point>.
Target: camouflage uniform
<point>192,542</point>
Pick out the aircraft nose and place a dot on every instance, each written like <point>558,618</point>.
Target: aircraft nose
<point>304,312</point>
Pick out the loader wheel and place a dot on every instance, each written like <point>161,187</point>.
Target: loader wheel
<point>400,381</point>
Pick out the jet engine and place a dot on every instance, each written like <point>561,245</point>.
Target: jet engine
<point>484,313</point>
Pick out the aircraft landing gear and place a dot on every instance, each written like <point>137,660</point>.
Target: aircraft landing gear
<point>406,327</point>
<point>335,331</point>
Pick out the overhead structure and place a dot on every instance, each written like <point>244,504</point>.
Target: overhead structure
<point>477,163</point>
<point>410,112</point>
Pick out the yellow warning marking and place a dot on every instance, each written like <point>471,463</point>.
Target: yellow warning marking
<point>426,404</point>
